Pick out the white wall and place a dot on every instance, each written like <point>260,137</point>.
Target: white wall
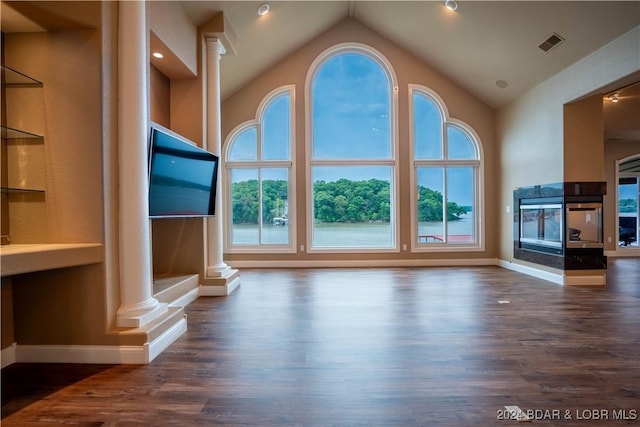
<point>530,130</point>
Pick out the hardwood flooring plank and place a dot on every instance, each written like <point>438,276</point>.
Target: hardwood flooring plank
<point>367,347</point>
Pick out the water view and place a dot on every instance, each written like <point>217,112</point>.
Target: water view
<point>377,234</point>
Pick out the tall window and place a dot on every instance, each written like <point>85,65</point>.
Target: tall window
<point>352,160</point>
<point>446,176</point>
<point>628,208</point>
<point>259,170</point>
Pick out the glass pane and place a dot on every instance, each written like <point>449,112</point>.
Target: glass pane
<point>275,206</point>
<point>459,144</point>
<point>541,224</point>
<point>628,211</point>
<point>244,196</point>
<point>352,207</point>
<point>427,128</point>
<point>244,145</point>
<point>276,129</point>
<point>351,109</point>
<point>430,208</point>
<point>460,205</point>
<point>584,225</point>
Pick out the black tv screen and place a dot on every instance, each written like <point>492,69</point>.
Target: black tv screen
<point>182,176</point>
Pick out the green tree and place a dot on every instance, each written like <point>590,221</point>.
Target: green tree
<point>628,205</point>
<point>430,206</point>
<point>245,202</point>
<point>343,200</point>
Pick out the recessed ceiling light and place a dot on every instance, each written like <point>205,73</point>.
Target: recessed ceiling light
<point>502,84</point>
<point>264,9</point>
<point>158,55</point>
<point>451,4</point>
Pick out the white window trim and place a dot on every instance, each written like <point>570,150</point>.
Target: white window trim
<point>352,47</point>
<point>477,164</point>
<point>290,247</point>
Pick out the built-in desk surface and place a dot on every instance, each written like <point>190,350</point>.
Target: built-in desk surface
<point>27,258</point>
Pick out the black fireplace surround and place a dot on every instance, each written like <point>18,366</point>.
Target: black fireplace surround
<point>560,225</point>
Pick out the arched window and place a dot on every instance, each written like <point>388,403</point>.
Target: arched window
<point>446,176</point>
<point>259,168</point>
<point>351,122</point>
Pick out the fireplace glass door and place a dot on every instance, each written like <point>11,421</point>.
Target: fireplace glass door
<point>541,225</point>
<point>584,225</point>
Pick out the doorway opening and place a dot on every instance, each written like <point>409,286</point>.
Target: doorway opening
<point>628,197</point>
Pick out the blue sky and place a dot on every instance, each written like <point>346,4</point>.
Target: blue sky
<point>351,106</point>
<point>627,191</point>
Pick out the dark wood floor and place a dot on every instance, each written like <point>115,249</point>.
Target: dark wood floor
<point>369,347</point>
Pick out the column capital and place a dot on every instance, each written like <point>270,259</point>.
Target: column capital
<point>214,44</point>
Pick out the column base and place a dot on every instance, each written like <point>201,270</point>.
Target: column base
<point>218,271</point>
<point>136,317</point>
<point>220,286</point>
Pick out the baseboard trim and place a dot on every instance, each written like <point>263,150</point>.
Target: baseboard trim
<point>185,299</point>
<point>161,343</point>
<point>8,356</point>
<point>621,253</point>
<point>531,271</point>
<point>585,280</point>
<point>98,354</point>
<point>557,278</point>
<point>81,354</point>
<point>466,262</point>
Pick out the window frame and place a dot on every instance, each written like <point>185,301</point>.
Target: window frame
<point>392,161</point>
<point>259,164</point>
<point>478,175</point>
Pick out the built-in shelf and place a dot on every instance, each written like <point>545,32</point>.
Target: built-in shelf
<point>28,258</point>
<point>13,78</point>
<point>11,133</point>
<point>23,159</point>
<point>10,190</point>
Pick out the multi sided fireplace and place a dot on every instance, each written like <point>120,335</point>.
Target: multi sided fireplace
<point>560,225</point>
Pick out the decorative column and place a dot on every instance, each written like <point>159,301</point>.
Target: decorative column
<point>137,305</point>
<point>217,273</point>
<point>216,267</point>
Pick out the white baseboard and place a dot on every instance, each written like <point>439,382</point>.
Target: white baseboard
<point>557,278</point>
<point>531,271</point>
<point>160,344</point>
<point>97,354</point>
<point>473,262</point>
<point>185,299</point>
<point>8,355</point>
<point>81,354</point>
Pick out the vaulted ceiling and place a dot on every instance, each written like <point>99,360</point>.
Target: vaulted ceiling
<point>489,48</point>
<point>482,43</point>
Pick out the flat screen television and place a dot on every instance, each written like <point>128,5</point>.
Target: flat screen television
<point>182,176</point>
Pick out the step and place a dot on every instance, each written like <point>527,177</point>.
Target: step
<point>174,289</point>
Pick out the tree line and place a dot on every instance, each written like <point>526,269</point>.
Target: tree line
<point>344,200</point>
<point>628,205</point>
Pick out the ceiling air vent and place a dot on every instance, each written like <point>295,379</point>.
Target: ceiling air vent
<point>551,42</point>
